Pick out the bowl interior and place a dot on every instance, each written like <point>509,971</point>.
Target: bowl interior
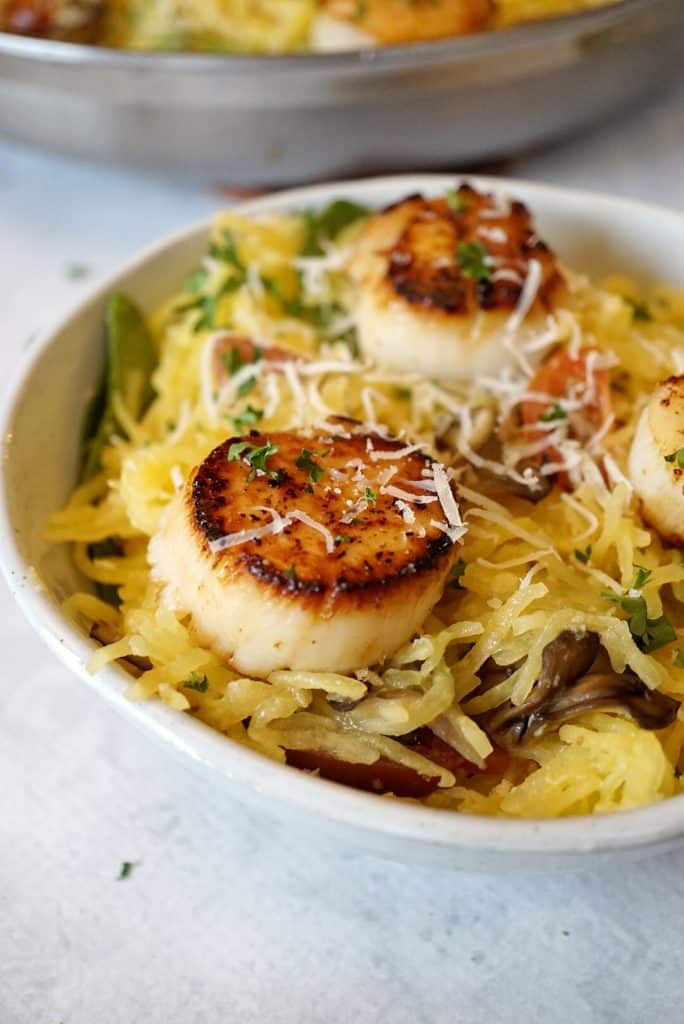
<point>41,428</point>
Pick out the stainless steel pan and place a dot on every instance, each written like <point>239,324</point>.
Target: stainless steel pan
<point>272,120</point>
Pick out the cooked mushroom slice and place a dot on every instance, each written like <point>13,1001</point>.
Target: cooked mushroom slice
<point>385,776</point>
<point>652,710</point>
<point>106,634</point>
<point>536,486</point>
<point>567,687</point>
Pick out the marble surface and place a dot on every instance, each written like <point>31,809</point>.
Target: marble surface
<point>224,917</point>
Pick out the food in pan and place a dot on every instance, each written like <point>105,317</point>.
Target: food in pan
<point>396,497</point>
<point>268,26</point>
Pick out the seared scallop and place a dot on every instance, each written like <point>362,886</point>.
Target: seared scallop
<point>321,551</point>
<point>396,21</point>
<point>452,287</point>
<point>656,460</point>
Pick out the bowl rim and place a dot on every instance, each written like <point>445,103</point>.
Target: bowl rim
<point>642,827</point>
<point>378,58</point>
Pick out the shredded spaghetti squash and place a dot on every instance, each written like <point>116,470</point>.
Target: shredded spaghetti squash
<point>446,707</point>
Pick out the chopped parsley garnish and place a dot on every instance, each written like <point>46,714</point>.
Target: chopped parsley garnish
<point>247,418</point>
<point>233,361</point>
<point>640,310</point>
<point>323,226</point>
<point>473,258</point>
<point>678,659</point>
<point>404,393</point>
<point>343,538</point>
<point>583,556</point>
<point>456,201</point>
<point>554,412</point>
<point>677,457</point>
<point>226,251</point>
<point>642,577</point>
<point>207,307</point>
<point>196,682</point>
<point>456,574</point>
<point>76,271</point>
<point>649,634</point>
<point>246,387</point>
<point>196,281</point>
<point>291,573</point>
<point>370,496</point>
<point>305,460</point>
<point>256,455</point>
<point>126,869</point>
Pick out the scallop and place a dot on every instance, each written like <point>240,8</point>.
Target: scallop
<point>656,468</point>
<point>320,551</point>
<point>452,287</point>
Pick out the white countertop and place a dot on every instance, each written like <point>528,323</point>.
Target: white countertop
<point>225,917</point>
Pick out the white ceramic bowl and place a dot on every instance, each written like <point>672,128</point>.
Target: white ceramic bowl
<point>40,426</point>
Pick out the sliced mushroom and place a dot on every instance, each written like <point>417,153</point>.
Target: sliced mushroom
<point>575,677</point>
<point>385,776</point>
<point>106,634</point>
<point>537,485</point>
<point>652,710</point>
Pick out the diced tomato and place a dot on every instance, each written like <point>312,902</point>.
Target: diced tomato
<point>567,375</point>
<point>241,351</point>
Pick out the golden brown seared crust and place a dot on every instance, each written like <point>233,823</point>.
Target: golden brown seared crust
<point>233,351</point>
<point>396,21</point>
<point>372,553</point>
<point>426,269</point>
<point>71,21</point>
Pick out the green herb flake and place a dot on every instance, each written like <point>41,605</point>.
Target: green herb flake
<point>370,496</point>
<point>554,412</point>
<point>678,659</point>
<point>246,387</point>
<point>583,556</point>
<point>456,574</point>
<point>247,418</point>
<point>649,634</point>
<point>343,538</point>
<point>76,271</point>
<point>640,311</point>
<point>323,226</point>
<point>456,200</point>
<point>642,576</point>
<point>257,457</point>
<point>232,360</point>
<point>225,251</point>
<point>196,682</point>
<point>677,457</point>
<point>473,257</point>
<point>405,394</point>
<point>126,869</point>
<point>291,573</point>
<point>196,281</point>
<point>305,461</point>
